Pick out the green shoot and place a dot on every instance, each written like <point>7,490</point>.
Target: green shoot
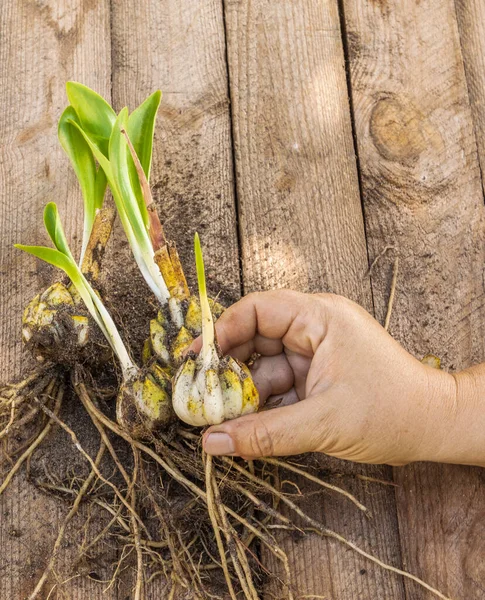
<point>157,236</point>
<point>141,128</point>
<point>95,115</point>
<point>208,335</point>
<point>116,162</point>
<point>92,180</point>
<point>62,258</point>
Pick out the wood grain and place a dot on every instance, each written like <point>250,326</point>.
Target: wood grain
<point>422,194</point>
<point>42,45</point>
<point>471,25</point>
<point>301,227</point>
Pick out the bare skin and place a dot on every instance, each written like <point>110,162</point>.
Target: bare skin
<point>347,388</point>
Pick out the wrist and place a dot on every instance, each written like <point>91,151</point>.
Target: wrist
<point>457,417</point>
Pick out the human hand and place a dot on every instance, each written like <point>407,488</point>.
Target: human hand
<point>359,395</point>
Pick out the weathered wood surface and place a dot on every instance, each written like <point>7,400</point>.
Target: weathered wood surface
<point>301,227</point>
<point>42,45</point>
<point>471,25</point>
<point>422,194</point>
<point>300,217</point>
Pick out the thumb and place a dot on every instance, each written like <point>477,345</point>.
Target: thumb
<point>278,432</point>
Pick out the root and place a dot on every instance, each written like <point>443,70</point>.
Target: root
<point>317,480</point>
<point>98,473</point>
<point>324,531</point>
<point>14,395</point>
<point>60,536</point>
<point>392,293</point>
<point>138,595</point>
<point>236,547</point>
<point>213,515</point>
<point>336,536</point>
<point>177,460</point>
<point>377,259</point>
<point>38,440</point>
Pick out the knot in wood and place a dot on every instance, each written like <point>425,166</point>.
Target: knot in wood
<point>400,131</point>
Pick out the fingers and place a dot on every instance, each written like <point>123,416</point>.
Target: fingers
<point>272,375</point>
<point>264,322</point>
<point>279,432</point>
<point>259,344</point>
<point>298,320</point>
<point>300,365</point>
<point>289,397</point>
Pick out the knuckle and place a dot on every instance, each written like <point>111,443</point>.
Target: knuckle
<point>260,442</point>
<point>252,297</point>
<point>331,301</point>
<point>333,307</point>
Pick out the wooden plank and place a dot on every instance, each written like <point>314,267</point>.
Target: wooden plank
<point>471,25</point>
<point>41,46</point>
<point>179,47</point>
<point>301,227</point>
<point>422,195</point>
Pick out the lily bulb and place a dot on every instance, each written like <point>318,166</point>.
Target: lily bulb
<point>56,326</point>
<point>143,405</point>
<point>210,388</point>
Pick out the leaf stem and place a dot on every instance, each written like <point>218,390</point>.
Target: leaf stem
<point>208,335</point>
<point>157,235</point>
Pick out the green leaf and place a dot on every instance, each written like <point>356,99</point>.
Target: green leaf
<point>132,211</point>
<point>199,265</point>
<point>141,127</point>
<point>119,155</point>
<point>79,152</point>
<point>51,256</point>
<point>96,116</point>
<point>208,335</point>
<point>67,264</point>
<point>98,154</point>
<point>106,167</point>
<point>55,230</point>
<point>92,182</point>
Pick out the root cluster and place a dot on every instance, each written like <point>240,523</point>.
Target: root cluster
<point>172,511</point>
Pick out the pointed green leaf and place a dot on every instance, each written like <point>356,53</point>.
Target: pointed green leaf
<point>141,127</point>
<point>119,155</point>
<point>51,256</point>
<point>55,230</point>
<point>131,209</point>
<point>98,154</point>
<point>199,265</point>
<point>106,167</point>
<point>96,116</point>
<point>67,264</point>
<point>79,152</point>
<point>207,319</point>
<point>82,160</point>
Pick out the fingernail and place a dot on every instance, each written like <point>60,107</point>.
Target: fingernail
<point>218,444</point>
